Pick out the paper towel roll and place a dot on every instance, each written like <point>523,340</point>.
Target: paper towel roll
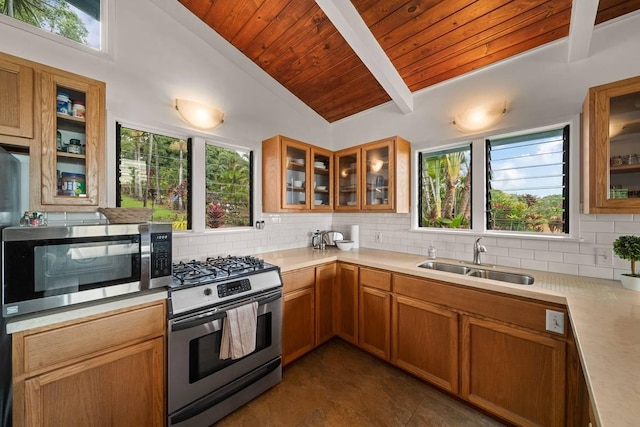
<point>355,235</point>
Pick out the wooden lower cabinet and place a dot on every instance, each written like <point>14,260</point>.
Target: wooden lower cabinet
<point>298,324</point>
<point>425,341</point>
<point>375,322</point>
<point>324,296</point>
<point>514,373</point>
<point>104,370</point>
<point>298,319</point>
<point>374,307</point>
<point>347,302</point>
<point>123,387</point>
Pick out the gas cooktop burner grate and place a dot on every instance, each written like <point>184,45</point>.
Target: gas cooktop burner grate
<point>212,269</point>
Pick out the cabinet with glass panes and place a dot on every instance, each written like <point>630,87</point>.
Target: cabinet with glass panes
<point>374,177</point>
<point>69,173</point>
<point>611,148</point>
<point>296,176</point>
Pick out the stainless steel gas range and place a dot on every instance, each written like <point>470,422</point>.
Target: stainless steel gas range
<point>204,388</point>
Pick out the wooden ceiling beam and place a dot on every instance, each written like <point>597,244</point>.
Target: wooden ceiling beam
<point>583,18</point>
<point>349,23</point>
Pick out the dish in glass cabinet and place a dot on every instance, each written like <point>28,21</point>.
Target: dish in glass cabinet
<point>321,187</point>
<point>351,203</point>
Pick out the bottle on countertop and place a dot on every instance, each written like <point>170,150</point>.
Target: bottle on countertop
<point>431,251</point>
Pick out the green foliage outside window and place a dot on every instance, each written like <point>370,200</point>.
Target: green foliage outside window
<point>446,189</point>
<point>54,16</point>
<point>154,173</point>
<point>228,187</point>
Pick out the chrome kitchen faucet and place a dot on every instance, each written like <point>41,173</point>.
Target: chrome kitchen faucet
<point>477,250</point>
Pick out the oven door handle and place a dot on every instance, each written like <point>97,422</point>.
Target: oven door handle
<point>217,313</point>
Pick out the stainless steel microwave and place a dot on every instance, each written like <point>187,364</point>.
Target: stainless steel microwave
<point>49,267</point>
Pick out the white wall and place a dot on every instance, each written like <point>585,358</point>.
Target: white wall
<point>162,52</point>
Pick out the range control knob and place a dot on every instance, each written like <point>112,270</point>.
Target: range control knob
<point>208,291</point>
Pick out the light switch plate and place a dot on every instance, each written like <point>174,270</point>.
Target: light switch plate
<point>555,321</point>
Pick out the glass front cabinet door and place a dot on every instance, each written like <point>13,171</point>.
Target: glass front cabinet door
<point>322,170</point>
<point>377,172</point>
<point>72,146</point>
<point>611,148</point>
<point>295,175</point>
<point>347,179</point>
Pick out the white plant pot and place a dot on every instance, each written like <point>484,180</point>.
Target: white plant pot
<point>630,282</point>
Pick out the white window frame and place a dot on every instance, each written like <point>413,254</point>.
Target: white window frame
<point>478,184</point>
<point>199,185</point>
<point>107,15</point>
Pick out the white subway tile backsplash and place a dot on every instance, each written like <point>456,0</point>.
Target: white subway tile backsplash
<point>286,231</point>
<point>534,264</point>
<point>510,243</point>
<point>627,227</point>
<point>521,253</point>
<point>615,217</point>
<point>598,226</point>
<point>564,247</point>
<point>581,259</point>
<point>548,256</point>
<point>535,244</point>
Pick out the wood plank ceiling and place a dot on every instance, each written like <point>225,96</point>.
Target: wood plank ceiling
<point>427,41</point>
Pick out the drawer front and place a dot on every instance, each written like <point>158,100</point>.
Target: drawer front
<point>375,279</point>
<point>298,279</point>
<point>83,339</point>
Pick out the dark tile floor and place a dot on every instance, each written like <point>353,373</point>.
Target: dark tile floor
<point>340,385</point>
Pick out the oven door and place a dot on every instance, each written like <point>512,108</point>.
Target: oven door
<point>195,367</point>
<point>44,268</point>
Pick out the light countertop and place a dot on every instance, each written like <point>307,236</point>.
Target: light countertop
<point>49,317</point>
<point>605,318</point>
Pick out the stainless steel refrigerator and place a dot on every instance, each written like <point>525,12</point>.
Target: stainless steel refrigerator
<point>9,216</point>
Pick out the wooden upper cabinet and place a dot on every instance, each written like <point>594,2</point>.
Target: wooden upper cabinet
<point>16,108</point>
<point>611,148</point>
<point>374,177</point>
<point>294,175</point>
<point>347,180</point>
<point>299,177</point>
<point>70,170</point>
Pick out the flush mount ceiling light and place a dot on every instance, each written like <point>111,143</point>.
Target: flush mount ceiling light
<point>480,118</point>
<point>198,115</point>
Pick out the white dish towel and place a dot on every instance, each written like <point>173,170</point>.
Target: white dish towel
<point>239,331</point>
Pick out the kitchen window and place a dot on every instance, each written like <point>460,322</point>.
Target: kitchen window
<point>153,171</point>
<point>521,185</point>
<point>157,171</point>
<point>228,187</point>
<point>527,182</point>
<point>79,21</point>
<point>445,188</point>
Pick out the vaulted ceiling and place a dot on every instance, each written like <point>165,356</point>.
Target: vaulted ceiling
<point>322,52</point>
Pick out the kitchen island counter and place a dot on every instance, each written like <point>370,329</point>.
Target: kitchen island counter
<point>605,318</point>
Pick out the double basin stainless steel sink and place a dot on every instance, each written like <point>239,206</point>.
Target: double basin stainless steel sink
<point>477,271</point>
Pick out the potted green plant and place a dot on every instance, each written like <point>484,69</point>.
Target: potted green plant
<point>628,247</point>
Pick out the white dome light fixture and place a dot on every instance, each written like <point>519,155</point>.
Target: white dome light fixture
<point>198,115</point>
<point>479,118</point>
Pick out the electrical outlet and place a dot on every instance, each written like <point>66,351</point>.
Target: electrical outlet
<point>378,236</point>
<point>604,257</point>
<point>555,321</point>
